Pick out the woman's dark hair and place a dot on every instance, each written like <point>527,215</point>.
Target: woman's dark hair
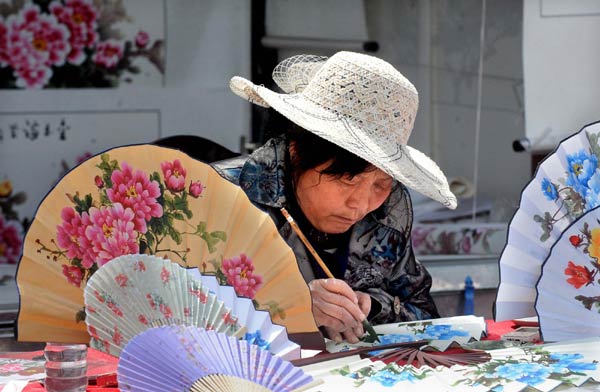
<point>312,151</point>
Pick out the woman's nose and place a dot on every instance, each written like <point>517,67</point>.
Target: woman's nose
<point>358,201</point>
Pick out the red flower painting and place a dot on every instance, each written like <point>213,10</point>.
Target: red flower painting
<point>580,276</point>
<point>69,43</point>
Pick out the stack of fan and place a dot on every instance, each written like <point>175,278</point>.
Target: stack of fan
<point>551,261</point>
<point>127,226</point>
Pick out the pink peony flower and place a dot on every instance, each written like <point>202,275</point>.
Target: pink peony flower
<point>92,331</point>
<point>116,309</point>
<point>165,275</point>
<point>80,17</point>
<point>139,266</point>
<point>419,235</point>
<point>196,188</point>
<point>141,39</point>
<point>34,43</point>
<point>228,319</point>
<point>200,294</point>
<point>73,273</point>
<point>108,53</point>
<point>111,233</point>
<point>166,311</point>
<point>33,78</point>
<point>99,296</point>
<point>4,57</point>
<point>151,302</point>
<point>10,241</point>
<point>239,273</point>
<point>121,280</point>
<point>117,338</point>
<point>70,236</point>
<point>174,175</point>
<point>465,245</point>
<point>135,190</point>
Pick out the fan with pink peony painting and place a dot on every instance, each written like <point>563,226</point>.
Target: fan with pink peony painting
<point>132,293</point>
<point>159,201</point>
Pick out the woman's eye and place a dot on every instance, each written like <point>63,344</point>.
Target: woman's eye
<point>382,187</point>
<point>349,181</point>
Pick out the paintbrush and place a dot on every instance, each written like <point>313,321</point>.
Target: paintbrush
<point>372,335</point>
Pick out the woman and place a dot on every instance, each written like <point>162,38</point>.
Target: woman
<point>341,170</point>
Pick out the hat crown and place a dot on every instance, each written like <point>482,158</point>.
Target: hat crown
<point>364,90</point>
<point>358,102</point>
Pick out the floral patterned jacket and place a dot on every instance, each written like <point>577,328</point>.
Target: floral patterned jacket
<point>380,258</point>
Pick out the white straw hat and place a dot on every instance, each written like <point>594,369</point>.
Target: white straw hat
<point>359,102</point>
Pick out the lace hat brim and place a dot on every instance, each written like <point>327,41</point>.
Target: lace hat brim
<point>404,163</point>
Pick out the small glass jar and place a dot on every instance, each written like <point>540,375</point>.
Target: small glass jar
<point>66,367</point>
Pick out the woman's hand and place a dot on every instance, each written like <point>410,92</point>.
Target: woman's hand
<point>339,309</point>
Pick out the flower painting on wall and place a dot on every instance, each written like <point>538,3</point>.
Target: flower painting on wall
<point>80,43</point>
<point>11,226</point>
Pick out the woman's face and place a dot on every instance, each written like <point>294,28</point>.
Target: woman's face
<point>333,205</point>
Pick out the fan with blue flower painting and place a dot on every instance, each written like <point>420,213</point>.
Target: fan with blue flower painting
<point>565,186</point>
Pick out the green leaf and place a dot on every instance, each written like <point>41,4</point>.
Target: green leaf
<point>282,314</point>
<point>221,277</point>
<point>83,205</point>
<point>544,236</point>
<point>537,218</point>
<point>216,265</point>
<point>219,234</point>
<point>593,139</point>
<point>175,235</point>
<point>180,202</point>
<point>143,246</point>
<point>201,228</point>
<point>178,216</point>
<point>104,200</point>
<point>150,239</point>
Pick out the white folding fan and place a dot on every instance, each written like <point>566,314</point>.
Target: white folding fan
<point>135,292</point>
<point>178,358</point>
<point>259,329</point>
<point>565,186</point>
<point>568,300</point>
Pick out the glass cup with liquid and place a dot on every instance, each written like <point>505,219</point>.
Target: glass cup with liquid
<point>66,367</point>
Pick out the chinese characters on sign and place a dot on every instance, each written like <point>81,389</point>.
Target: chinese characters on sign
<point>29,129</point>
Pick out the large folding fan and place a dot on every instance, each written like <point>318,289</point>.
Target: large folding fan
<point>568,300</point>
<point>566,185</point>
<point>179,358</point>
<point>152,200</point>
<point>135,292</point>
